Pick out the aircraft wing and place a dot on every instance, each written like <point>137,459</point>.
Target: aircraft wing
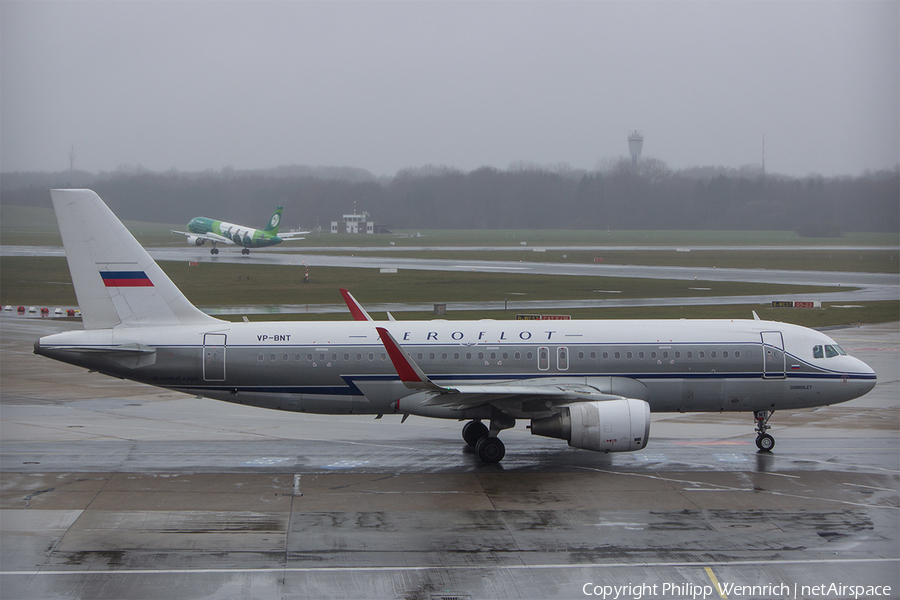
<point>212,237</point>
<point>468,396</point>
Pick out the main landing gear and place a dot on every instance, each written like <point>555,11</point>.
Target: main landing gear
<point>764,441</point>
<point>245,250</point>
<point>485,441</point>
<point>213,250</point>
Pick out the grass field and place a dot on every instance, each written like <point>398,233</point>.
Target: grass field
<point>828,316</point>
<point>46,282</point>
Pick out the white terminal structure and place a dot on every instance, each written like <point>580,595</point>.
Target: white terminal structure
<point>354,223</point>
<point>635,144</point>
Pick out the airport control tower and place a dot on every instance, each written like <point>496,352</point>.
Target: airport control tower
<point>635,143</point>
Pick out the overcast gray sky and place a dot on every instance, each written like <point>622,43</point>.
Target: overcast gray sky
<point>387,85</point>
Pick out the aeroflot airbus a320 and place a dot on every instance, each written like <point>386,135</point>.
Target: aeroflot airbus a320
<point>592,383</point>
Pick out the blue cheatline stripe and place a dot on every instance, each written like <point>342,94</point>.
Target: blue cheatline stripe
<point>352,390</point>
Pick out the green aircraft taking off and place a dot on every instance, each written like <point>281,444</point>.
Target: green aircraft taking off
<point>200,230</point>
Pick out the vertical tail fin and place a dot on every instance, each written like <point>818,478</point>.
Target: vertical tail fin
<point>116,282</point>
<point>274,222</point>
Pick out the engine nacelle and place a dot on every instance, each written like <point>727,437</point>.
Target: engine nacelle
<point>193,240</point>
<point>608,426</point>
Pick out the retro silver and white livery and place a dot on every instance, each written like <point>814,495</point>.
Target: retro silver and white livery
<point>593,383</point>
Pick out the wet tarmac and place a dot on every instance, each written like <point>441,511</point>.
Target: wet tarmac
<point>115,490</point>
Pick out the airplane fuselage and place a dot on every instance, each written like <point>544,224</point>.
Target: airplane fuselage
<point>239,235</point>
<point>343,368</point>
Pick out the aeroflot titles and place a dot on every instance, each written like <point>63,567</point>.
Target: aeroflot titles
<point>456,336</point>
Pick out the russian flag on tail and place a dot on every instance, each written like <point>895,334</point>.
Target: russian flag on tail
<point>125,279</point>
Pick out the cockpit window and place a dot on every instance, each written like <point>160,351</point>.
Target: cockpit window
<point>828,351</point>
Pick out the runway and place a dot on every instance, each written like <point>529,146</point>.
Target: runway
<point>848,287</point>
<point>111,489</point>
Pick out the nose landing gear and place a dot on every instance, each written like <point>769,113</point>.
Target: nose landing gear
<point>764,441</point>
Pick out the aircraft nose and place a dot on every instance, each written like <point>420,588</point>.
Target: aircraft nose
<point>868,384</point>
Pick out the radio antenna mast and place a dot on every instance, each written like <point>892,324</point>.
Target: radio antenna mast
<point>764,156</point>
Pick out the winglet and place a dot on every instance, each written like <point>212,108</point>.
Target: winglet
<point>410,373</point>
<point>356,309</point>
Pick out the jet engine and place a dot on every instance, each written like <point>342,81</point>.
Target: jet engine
<point>195,241</point>
<point>606,426</point>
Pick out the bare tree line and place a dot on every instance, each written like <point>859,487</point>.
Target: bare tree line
<point>524,196</point>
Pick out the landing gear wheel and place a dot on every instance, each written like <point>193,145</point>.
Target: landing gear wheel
<point>213,250</point>
<point>473,431</point>
<point>245,250</point>
<point>490,449</point>
<point>765,442</point>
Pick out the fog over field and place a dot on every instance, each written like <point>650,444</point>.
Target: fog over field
<point>384,86</point>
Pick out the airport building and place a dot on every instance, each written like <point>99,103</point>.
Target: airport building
<point>357,223</point>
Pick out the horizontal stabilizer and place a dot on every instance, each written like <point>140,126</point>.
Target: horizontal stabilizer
<point>291,236</point>
<point>116,349</point>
